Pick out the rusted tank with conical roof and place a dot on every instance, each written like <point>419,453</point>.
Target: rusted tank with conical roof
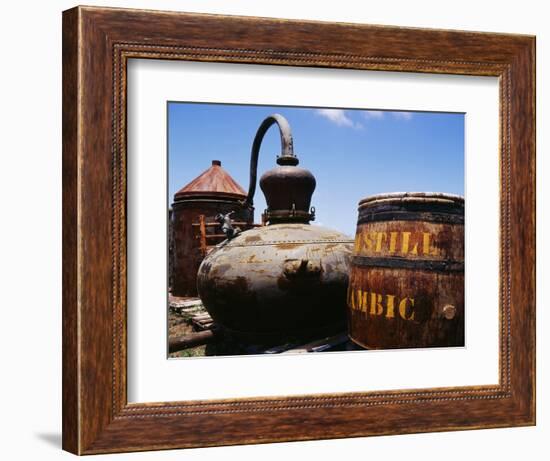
<point>211,193</point>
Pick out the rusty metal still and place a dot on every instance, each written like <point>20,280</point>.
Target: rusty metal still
<point>211,193</point>
<point>407,273</point>
<point>288,278</point>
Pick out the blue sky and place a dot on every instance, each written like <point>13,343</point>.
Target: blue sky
<point>352,153</point>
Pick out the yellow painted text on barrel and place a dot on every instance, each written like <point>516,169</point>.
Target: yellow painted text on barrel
<point>395,242</point>
<point>377,304</point>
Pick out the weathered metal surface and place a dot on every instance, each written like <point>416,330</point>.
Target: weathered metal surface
<point>285,279</point>
<point>278,280</point>
<point>214,181</point>
<point>287,187</point>
<point>211,193</point>
<point>407,272</point>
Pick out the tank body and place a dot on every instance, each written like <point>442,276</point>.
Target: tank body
<point>278,281</point>
<point>211,193</point>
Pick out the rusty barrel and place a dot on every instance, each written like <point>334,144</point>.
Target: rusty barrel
<point>406,286</point>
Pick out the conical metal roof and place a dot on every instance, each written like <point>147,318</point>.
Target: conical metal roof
<point>214,182</point>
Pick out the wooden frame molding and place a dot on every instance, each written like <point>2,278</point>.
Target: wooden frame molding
<point>97,43</point>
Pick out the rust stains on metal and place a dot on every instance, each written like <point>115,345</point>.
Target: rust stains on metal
<point>407,272</point>
<point>195,208</point>
<point>284,280</point>
<point>287,246</point>
<point>283,270</point>
<point>252,238</point>
<point>220,270</point>
<point>214,181</point>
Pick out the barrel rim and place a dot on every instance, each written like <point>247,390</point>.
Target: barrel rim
<point>411,197</point>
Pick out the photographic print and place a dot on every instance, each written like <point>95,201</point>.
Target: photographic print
<point>306,230</point>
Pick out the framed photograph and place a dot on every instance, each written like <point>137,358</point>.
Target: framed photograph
<point>281,230</point>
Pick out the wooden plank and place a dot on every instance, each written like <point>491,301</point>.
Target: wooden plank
<point>191,340</point>
<point>203,247</point>
<point>202,316</point>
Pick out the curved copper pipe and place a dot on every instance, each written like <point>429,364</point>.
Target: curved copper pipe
<point>287,156</point>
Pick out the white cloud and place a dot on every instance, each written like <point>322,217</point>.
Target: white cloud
<point>338,117</point>
<point>373,114</point>
<point>402,115</point>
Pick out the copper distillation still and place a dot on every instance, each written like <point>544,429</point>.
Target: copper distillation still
<point>287,279</point>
